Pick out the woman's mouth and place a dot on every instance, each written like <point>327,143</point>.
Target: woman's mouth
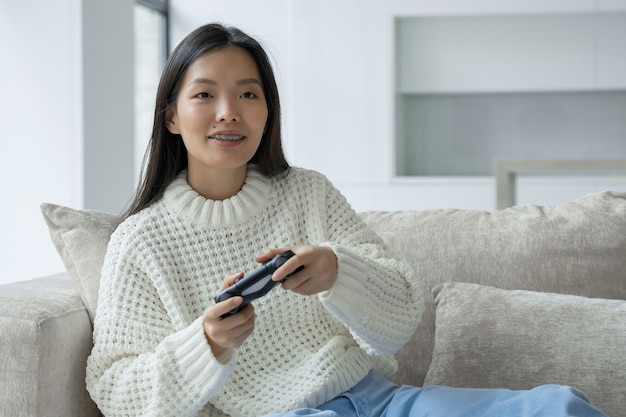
<point>227,138</point>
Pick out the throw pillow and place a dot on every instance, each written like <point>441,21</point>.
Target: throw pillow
<point>488,337</point>
<point>575,248</point>
<point>81,238</point>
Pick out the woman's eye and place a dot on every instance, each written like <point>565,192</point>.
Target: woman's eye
<point>248,94</point>
<point>203,95</point>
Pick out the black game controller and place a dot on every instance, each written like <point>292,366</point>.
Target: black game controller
<point>257,283</point>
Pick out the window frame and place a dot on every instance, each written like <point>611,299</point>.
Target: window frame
<point>162,7</point>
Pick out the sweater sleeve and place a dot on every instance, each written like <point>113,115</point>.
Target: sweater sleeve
<point>140,365</point>
<point>376,295</point>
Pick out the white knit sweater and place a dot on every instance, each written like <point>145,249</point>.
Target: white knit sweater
<point>164,265</point>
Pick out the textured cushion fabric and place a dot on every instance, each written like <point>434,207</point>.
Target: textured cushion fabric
<point>576,248</point>
<point>488,337</point>
<point>45,338</point>
<point>81,238</point>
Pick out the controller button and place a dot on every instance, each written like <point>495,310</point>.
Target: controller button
<point>280,261</point>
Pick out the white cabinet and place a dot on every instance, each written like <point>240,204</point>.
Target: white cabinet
<point>611,50</point>
<point>511,53</point>
<point>476,88</point>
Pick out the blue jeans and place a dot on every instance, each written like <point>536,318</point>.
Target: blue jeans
<point>375,396</point>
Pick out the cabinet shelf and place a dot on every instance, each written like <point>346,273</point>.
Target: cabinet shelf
<point>473,89</point>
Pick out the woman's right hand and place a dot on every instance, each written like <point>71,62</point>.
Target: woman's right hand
<point>230,332</point>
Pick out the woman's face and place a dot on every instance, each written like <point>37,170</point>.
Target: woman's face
<point>220,111</point>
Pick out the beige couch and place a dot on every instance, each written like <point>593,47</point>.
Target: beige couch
<point>533,295</point>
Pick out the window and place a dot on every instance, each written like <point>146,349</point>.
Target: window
<point>151,49</point>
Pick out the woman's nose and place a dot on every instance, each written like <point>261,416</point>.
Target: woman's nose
<point>227,111</point>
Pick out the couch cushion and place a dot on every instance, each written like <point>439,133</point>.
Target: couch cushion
<point>488,337</point>
<point>45,338</point>
<point>81,238</point>
<point>576,248</point>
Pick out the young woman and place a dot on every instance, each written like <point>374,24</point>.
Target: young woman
<point>217,199</point>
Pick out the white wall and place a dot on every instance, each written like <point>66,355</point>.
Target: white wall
<point>108,104</point>
<point>41,120</point>
<point>66,135</point>
<point>344,101</point>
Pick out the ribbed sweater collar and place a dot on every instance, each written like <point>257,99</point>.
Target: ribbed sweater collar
<point>250,200</point>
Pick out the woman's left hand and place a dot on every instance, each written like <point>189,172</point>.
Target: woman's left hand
<point>319,273</point>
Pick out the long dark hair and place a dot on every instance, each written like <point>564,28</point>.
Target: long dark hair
<point>166,155</point>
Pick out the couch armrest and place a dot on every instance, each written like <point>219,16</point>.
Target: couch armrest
<point>45,339</point>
